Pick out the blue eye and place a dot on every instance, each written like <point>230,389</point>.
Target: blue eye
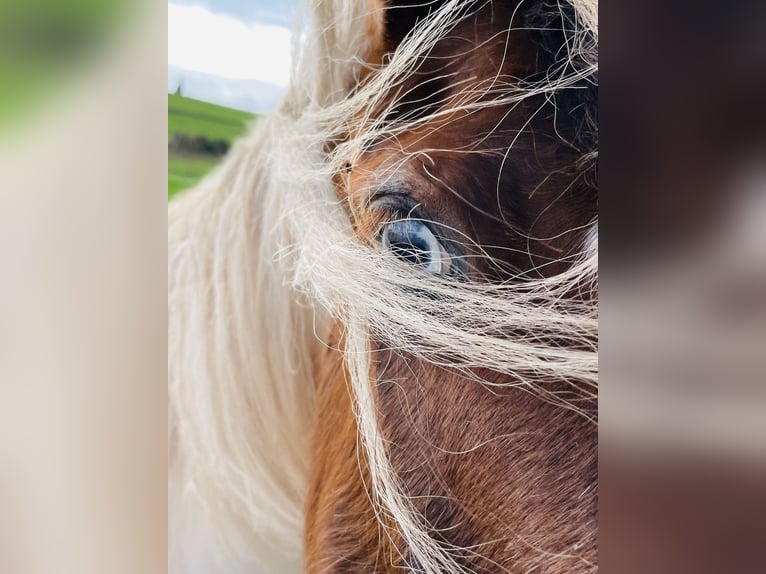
<point>413,242</point>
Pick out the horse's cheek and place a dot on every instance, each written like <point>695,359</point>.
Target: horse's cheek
<point>342,533</point>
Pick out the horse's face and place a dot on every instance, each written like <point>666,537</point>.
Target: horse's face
<point>489,193</point>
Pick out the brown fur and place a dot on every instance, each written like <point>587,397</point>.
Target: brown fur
<point>340,484</point>
<point>498,467</point>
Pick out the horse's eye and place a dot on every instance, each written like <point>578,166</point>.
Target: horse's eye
<point>412,241</point>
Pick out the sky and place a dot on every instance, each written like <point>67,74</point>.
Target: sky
<point>230,52</point>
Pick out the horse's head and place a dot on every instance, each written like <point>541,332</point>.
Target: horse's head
<point>382,309</point>
<point>473,168</point>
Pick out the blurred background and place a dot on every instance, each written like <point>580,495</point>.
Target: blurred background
<point>228,62</point>
<point>102,103</point>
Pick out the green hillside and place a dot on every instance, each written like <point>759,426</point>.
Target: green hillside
<point>196,118</point>
<point>199,119</point>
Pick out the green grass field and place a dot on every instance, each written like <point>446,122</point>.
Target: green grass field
<point>196,118</point>
<point>184,172</point>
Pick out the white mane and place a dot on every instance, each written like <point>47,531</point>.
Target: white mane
<point>262,256</point>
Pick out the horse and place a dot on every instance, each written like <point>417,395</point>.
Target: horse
<point>383,329</point>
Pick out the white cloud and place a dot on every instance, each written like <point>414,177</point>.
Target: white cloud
<point>219,45</point>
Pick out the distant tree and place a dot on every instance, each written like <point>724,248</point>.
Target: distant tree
<point>179,91</point>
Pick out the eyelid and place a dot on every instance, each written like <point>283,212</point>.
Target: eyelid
<point>400,203</point>
<point>402,206</point>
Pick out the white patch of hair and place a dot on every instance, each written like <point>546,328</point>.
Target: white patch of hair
<point>262,256</point>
